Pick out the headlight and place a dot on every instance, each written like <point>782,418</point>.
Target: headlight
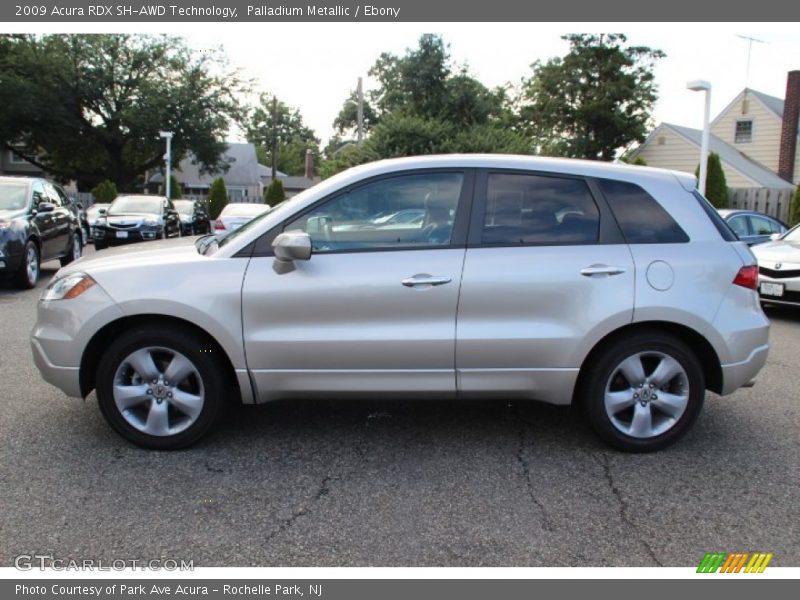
<point>69,287</point>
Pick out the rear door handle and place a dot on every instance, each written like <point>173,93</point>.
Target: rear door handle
<point>425,279</point>
<point>601,270</point>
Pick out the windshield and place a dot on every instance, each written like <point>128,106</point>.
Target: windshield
<point>13,196</point>
<point>126,205</point>
<point>793,235</point>
<point>184,207</point>
<point>246,227</point>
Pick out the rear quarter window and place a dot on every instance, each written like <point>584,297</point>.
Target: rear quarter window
<point>642,219</point>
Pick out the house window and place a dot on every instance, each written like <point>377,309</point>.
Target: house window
<point>744,131</point>
<point>15,159</point>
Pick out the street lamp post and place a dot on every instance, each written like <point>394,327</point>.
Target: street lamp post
<point>703,86</point>
<point>168,159</point>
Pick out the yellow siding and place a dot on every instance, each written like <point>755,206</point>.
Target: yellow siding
<point>678,154</point>
<point>766,131</point>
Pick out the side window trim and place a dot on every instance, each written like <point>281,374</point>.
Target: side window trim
<point>262,247</point>
<point>609,231</point>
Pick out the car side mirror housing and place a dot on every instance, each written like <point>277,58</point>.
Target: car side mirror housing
<point>101,211</point>
<point>775,236</point>
<point>45,207</point>
<point>289,247</point>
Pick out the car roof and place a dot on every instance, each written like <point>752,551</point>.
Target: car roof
<point>730,212</point>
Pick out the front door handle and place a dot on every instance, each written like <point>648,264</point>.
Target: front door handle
<point>601,270</point>
<point>425,279</point>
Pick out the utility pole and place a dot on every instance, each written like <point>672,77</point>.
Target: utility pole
<point>168,159</point>
<point>274,137</point>
<point>360,113</point>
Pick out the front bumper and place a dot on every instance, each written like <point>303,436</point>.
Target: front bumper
<point>118,237</point>
<point>790,287</point>
<point>62,332</point>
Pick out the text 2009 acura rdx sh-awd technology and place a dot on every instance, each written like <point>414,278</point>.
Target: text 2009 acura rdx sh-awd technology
<point>617,288</point>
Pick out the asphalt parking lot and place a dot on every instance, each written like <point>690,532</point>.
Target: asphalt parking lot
<point>397,483</point>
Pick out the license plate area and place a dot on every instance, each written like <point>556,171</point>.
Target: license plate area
<point>771,289</point>
<point>122,234</point>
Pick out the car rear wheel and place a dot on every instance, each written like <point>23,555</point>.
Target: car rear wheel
<point>643,392</point>
<point>28,273</point>
<point>74,252</point>
<point>160,390</point>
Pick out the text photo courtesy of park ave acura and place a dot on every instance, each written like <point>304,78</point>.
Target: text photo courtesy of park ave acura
<point>277,295</point>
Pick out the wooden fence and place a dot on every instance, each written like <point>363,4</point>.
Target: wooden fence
<point>771,201</point>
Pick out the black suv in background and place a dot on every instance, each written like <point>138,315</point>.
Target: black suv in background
<point>37,224</point>
<point>194,219</point>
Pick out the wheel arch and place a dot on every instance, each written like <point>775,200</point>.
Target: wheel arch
<point>709,360</point>
<point>103,337</point>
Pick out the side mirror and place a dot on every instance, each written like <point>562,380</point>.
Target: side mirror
<point>102,212</point>
<point>45,207</point>
<point>776,236</point>
<point>289,247</point>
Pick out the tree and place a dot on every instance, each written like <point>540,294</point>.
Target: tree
<point>104,192</point>
<point>794,212</point>
<point>217,197</point>
<point>275,193</point>
<point>175,190</point>
<point>716,187</point>
<point>592,102</point>
<point>293,135</point>
<point>114,94</point>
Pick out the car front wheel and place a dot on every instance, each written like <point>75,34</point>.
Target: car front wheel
<point>28,273</point>
<point>643,392</point>
<point>160,390</point>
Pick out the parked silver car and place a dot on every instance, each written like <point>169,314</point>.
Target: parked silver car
<point>617,288</point>
<point>779,269</point>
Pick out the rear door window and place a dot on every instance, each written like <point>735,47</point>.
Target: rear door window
<point>739,226</point>
<point>538,210</point>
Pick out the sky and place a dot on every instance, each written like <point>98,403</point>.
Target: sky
<point>313,66</point>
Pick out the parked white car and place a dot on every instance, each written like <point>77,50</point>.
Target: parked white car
<point>616,288</point>
<point>779,268</point>
<point>236,214</point>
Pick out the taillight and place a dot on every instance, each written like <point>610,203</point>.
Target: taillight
<point>218,224</point>
<point>747,277</point>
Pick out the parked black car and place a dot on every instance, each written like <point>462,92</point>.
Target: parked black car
<point>194,219</point>
<point>80,212</point>
<point>752,227</point>
<point>136,218</point>
<point>36,224</point>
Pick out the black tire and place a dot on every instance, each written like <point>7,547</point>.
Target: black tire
<point>604,374</point>
<point>74,252</point>
<point>26,278</point>
<point>208,377</point>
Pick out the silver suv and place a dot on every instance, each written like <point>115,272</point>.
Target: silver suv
<point>613,287</point>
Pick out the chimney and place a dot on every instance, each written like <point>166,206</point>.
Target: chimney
<point>310,160</point>
<point>791,114</point>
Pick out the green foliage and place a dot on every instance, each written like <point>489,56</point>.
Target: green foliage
<point>275,193</point>
<point>104,192</point>
<point>716,187</point>
<point>217,197</point>
<point>794,209</point>
<point>593,101</point>
<point>175,190</point>
<point>115,93</point>
<point>294,137</point>
<point>424,104</point>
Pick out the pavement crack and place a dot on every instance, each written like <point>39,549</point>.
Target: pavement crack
<point>624,510</point>
<point>524,464</point>
<point>286,524</point>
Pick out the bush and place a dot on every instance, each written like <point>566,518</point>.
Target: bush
<point>217,198</point>
<point>794,209</point>
<point>716,187</point>
<point>175,190</point>
<point>104,192</point>
<point>275,193</point>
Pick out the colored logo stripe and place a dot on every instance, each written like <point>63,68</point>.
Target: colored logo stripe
<point>733,563</point>
<point>711,562</point>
